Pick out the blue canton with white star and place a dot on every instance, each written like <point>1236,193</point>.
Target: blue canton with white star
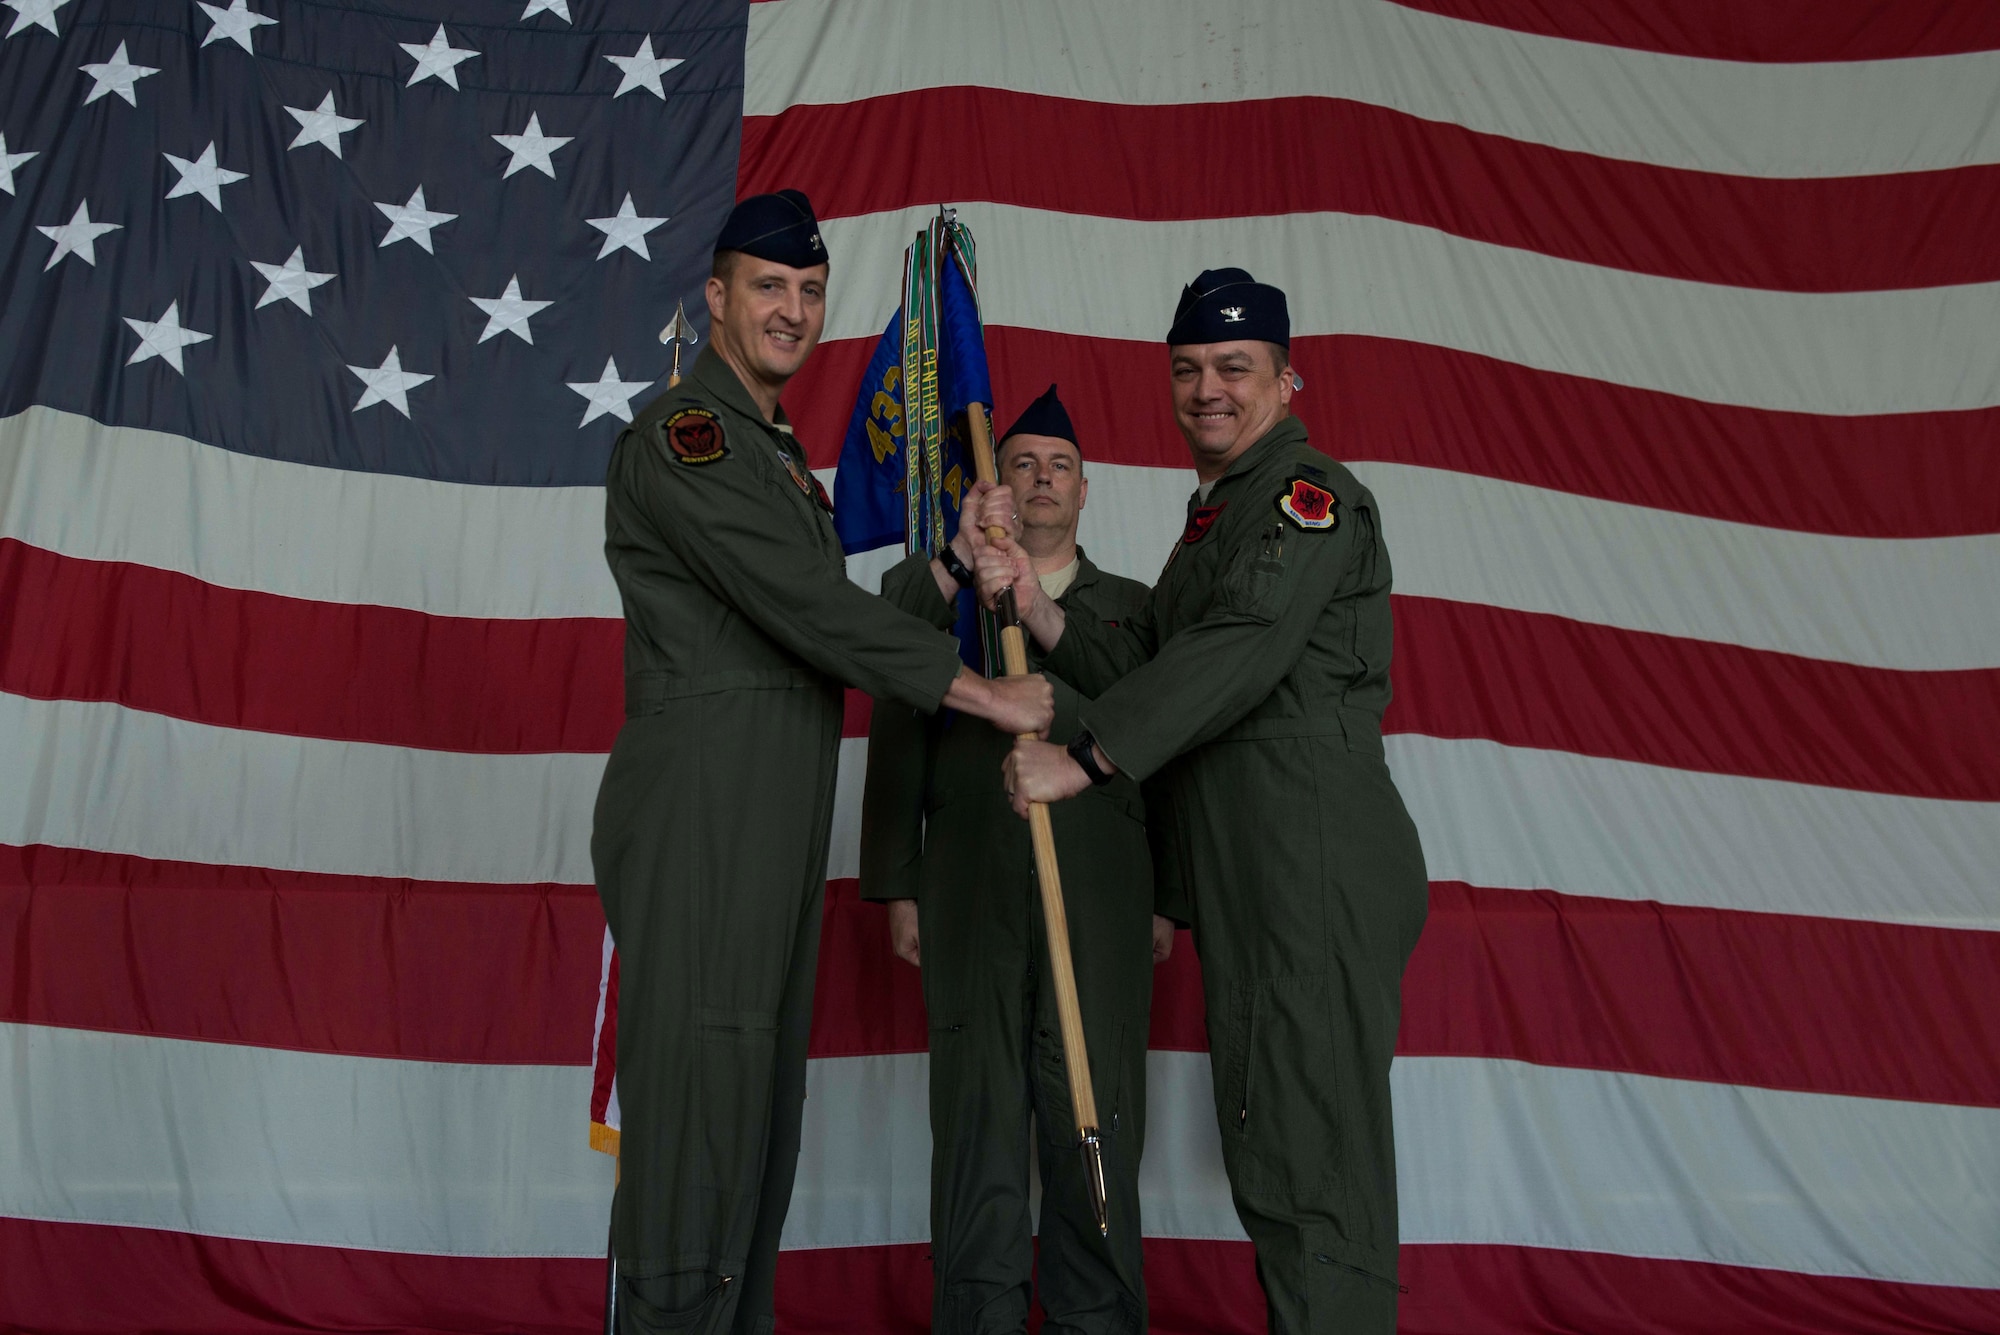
<point>411,238</point>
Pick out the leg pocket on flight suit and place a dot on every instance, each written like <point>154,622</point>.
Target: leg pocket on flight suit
<point>738,1051</point>
<point>1351,1298</point>
<point>640,1303</point>
<point>1280,1101</point>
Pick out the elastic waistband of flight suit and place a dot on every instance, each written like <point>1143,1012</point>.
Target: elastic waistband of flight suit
<point>649,692</point>
<point>1359,729</point>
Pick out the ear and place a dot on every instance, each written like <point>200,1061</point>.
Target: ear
<point>1082,492</point>
<point>717,293</point>
<point>1287,384</point>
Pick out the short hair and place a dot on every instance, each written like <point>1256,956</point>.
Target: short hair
<point>1281,356</point>
<point>724,264</point>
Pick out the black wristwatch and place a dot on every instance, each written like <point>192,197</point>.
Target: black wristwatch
<point>956,568</point>
<point>1081,751</point>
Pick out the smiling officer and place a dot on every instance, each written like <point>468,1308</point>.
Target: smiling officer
<point>1251,688</point>
<point>712,822</point>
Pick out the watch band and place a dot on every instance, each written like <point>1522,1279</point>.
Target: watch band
<point>956,568</point>
<point>1081,751</point>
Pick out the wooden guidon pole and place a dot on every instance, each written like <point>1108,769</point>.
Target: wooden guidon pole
<point>1082,1098</point>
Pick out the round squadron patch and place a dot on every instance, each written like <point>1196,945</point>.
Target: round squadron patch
<point>1309,507</point>
<point>695,435</point>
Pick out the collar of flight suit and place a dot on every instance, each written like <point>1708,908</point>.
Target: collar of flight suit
<point>716,376</point>
<point>1284,433</point>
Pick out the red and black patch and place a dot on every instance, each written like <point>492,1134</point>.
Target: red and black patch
<point>819,494</point>
<point>1201,521</point>
<point>695,435</point>
<point>1312,508</point>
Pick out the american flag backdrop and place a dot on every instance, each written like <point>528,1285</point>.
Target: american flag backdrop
<point>1667,334</point>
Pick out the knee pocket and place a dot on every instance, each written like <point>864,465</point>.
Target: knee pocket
<point>738,1056</point>
<point>647,1306</point>
<point>1281,1080</point>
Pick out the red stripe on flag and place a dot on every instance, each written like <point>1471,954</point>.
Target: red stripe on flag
<point>1777,31</point>
<point>169,644</point>
<point>1529,679</point>
<point>1907,475</point>
<point>282,959</point>
<point>172,644</point>
<point>1243,159</point>
<point>345,964</point>
<point>1816,1004</point>
<point>181,1282</point>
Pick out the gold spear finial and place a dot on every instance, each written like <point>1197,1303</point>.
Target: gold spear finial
<point>681,334</point>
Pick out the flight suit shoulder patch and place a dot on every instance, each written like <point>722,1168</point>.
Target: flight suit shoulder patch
<point>695,436</point>
<point>1309,506</point>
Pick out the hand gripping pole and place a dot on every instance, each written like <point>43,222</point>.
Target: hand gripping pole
<point>1082,1098</point>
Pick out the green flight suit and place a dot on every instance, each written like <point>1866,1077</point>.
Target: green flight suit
<point>1252,685</point>
<point>936,827</point>
<point>710,838</point>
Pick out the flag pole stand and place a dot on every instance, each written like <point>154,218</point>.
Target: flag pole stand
<point>1069,1013</point>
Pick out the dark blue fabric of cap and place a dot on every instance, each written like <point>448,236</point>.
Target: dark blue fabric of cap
<point>1223,305</point>
<point>778,227</point>
<point>1046,416</point>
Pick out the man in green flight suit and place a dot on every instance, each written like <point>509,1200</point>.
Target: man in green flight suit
<point>940,845</point>
<point>1252,685</point>
<point>711,830</point>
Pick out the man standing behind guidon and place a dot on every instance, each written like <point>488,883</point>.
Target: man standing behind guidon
<point>939,844</point>
<point>1253,685</point>
<point>711,829</point>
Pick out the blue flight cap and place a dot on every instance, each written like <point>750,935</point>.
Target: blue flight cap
<point>778,227</point>
<point>1223,305</point>
<point>1046,416</point>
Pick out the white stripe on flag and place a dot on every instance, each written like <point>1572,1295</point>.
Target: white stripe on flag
<point>120,780</point>
<point>487,1160</point>
<point>113,494</point>
<point>1735,117</point>
<point>1846,353</point>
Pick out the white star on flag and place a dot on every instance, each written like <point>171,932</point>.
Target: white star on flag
<point>202,177</point>
<point>608,395</point>
<point>322,125</point>
<point>642,70</point>
<point>235,23</point>
<point>9,161</point>
<point>388,383</point>
<point>625,230</point>
<point>508,313</point>
<point>290,281</point>
<point>77,237</point>
<point>163,338</point>
<point>559,8</point>
<point>36,13</point>
<point>531,148</point>
<point>412,220</point>
<point>437,59</point>
<point>116,75</point>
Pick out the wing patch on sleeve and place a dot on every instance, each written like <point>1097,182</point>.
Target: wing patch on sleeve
<point>695,436</point>
<point>1310,507</point>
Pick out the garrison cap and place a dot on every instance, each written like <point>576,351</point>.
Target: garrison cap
<point>1223,305</point>
<point>778,227</point>
<point>1046,416</point>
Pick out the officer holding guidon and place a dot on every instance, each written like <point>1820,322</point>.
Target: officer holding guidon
<point>712,823</point>
<point>1251,688</point>
<point>941,847</point>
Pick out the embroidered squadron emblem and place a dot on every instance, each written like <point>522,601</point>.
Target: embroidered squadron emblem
<point>1201,521</point>
<point>695,434</point>
<point>1308,506</point>
<point>1232,314</point>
